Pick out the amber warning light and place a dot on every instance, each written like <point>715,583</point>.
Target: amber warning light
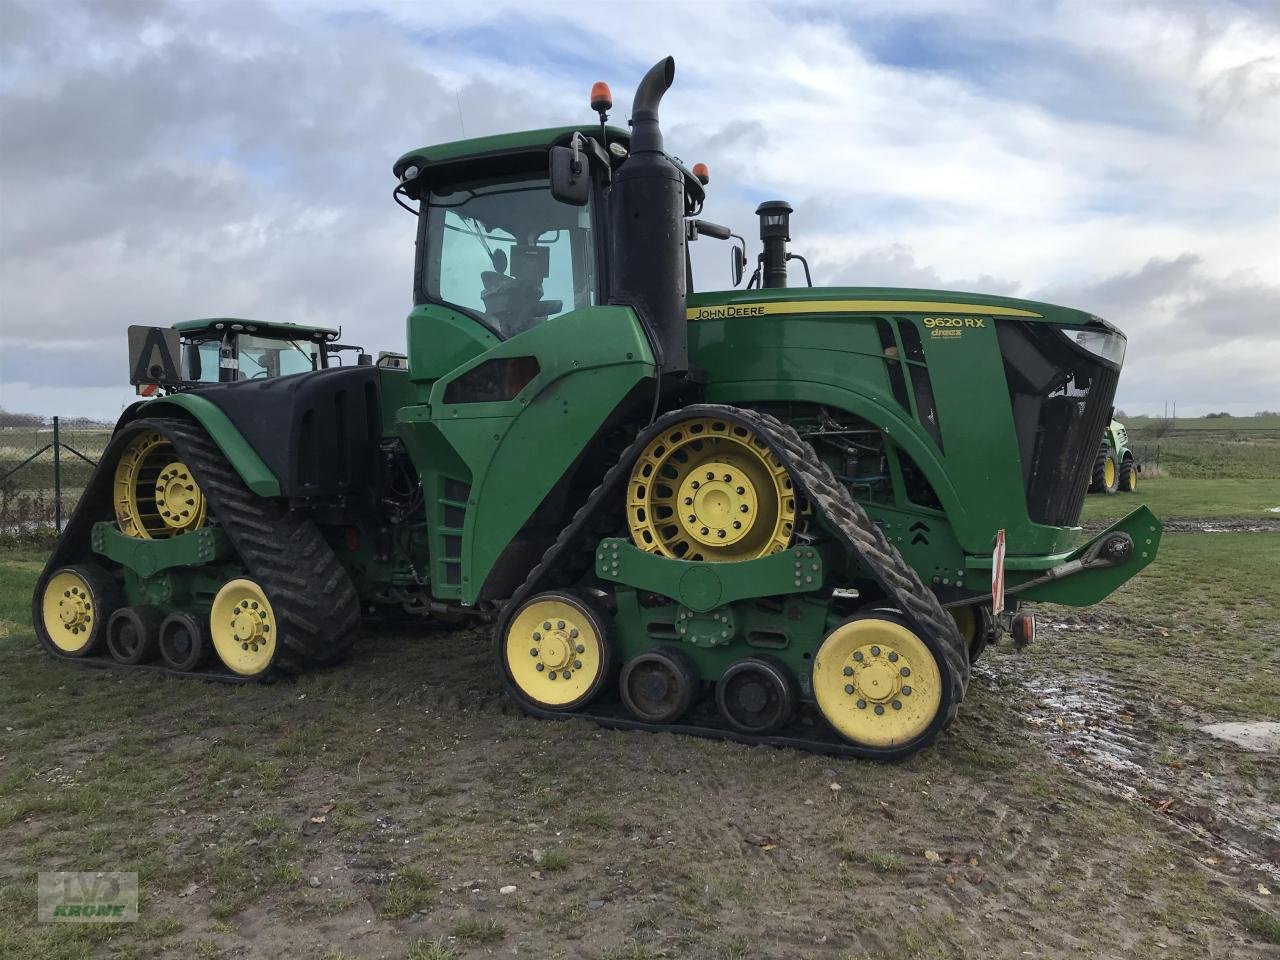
<point>702,174</point>
<point>601,98</point>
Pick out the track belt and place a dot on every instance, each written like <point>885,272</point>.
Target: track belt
<point>315,602</point>
<point>571,557</point>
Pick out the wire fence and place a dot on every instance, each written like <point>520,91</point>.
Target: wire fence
<point>1148,455</point>
<point>45,464</point>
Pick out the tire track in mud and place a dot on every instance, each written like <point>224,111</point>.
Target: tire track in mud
<point>1202,525</point>
<point>1095,726</point>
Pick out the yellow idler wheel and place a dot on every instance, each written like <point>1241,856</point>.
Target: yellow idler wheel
<point>154,492</point>
<point>709,489</point>
<point>244,628</point>
<point>878,683</point>
<point>75,605</point>
<point>556,651</point>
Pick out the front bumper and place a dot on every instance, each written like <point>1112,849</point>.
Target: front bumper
<point>1090,572</point>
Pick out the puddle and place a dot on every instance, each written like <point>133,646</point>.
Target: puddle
<point>1090,726</point>
<point>1262,736</point>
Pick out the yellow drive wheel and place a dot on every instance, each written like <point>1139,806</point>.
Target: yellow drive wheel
<point>75,605</point>
<point>244,628</point>
<point>1109,473</point>
<point>556,651</point>
<point>878,683</point>
<point>709,489</point>
<point>154,492</point>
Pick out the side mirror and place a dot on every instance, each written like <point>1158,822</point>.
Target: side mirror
<point>737,263</point>
<point>570,177</point>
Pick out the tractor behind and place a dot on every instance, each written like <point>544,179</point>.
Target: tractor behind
<point>781,515</point>
<point>1116,468</point>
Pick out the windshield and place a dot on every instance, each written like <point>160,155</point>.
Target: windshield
<point>261,358</point>
<point>509,253</point>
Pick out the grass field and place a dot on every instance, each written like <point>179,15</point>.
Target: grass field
<point>1075,808</point>
<point>1176,497</point>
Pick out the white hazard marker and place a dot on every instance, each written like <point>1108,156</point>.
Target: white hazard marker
<point>997,575</point>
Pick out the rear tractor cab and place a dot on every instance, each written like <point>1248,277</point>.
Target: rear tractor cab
<point>229,350</point>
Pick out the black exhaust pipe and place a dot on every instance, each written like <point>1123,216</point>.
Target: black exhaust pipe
<point>647,208</point>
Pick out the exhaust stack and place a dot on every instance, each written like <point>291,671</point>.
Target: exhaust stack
<point>647,208</point>
<point>775,232</point>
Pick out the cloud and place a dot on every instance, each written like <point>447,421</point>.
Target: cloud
<point>163,160</point>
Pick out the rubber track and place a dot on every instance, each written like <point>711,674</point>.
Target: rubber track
<point>572,556</point>
<point>313,598</point>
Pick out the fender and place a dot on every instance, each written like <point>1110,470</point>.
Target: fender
<point>253,471</point>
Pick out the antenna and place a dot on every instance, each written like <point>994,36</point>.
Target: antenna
<point>457,96</point>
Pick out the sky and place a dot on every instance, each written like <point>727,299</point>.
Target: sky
<point>162,160</point>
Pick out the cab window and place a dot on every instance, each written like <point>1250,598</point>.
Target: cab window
<point>262,358</point>
<point>509,253</point>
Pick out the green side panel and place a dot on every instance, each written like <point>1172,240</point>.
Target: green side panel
<point>925,540</point>
<point>396,391</point>
<point>1092,585</point>
<point>704,586</point>
<point>440,340</point>
<point>148,557</point>
<point>904,300</point>
<point>837,359</point>
<point>511,453</point>
<point>230,441</point>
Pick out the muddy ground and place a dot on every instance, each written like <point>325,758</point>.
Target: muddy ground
<point>381,809</point>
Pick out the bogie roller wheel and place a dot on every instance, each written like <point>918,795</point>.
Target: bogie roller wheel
<point>133,634</point>
<point>184,641</point>
<point>974,623</point>
<point>659,685</point>
<point>154,492</point>
<point>244,628</point>
<point>556,651</point>
<point>880,685</point>
<point>1129,475</point>
<point>73,609</point>
<point>707,488</point>
<point>756,695</point>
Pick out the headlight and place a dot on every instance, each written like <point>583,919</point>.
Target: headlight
<point>1105,344</point>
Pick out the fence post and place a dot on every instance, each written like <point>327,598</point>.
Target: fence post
<point>57,479</point>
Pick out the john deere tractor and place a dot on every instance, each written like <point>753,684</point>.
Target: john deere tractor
<point>1115,468</point>
<point>774,514</point>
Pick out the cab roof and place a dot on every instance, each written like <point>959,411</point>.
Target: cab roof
<point>475,157</point>
<point>275,328</point>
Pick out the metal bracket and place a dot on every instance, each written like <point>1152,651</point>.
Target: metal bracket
<point>703,586</point>
<point>148,557</point>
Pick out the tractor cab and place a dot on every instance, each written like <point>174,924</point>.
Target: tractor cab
<point>226,350</point>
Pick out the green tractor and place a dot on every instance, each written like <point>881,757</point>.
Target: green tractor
<point>778,515</point>
<point>1115,468</point>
